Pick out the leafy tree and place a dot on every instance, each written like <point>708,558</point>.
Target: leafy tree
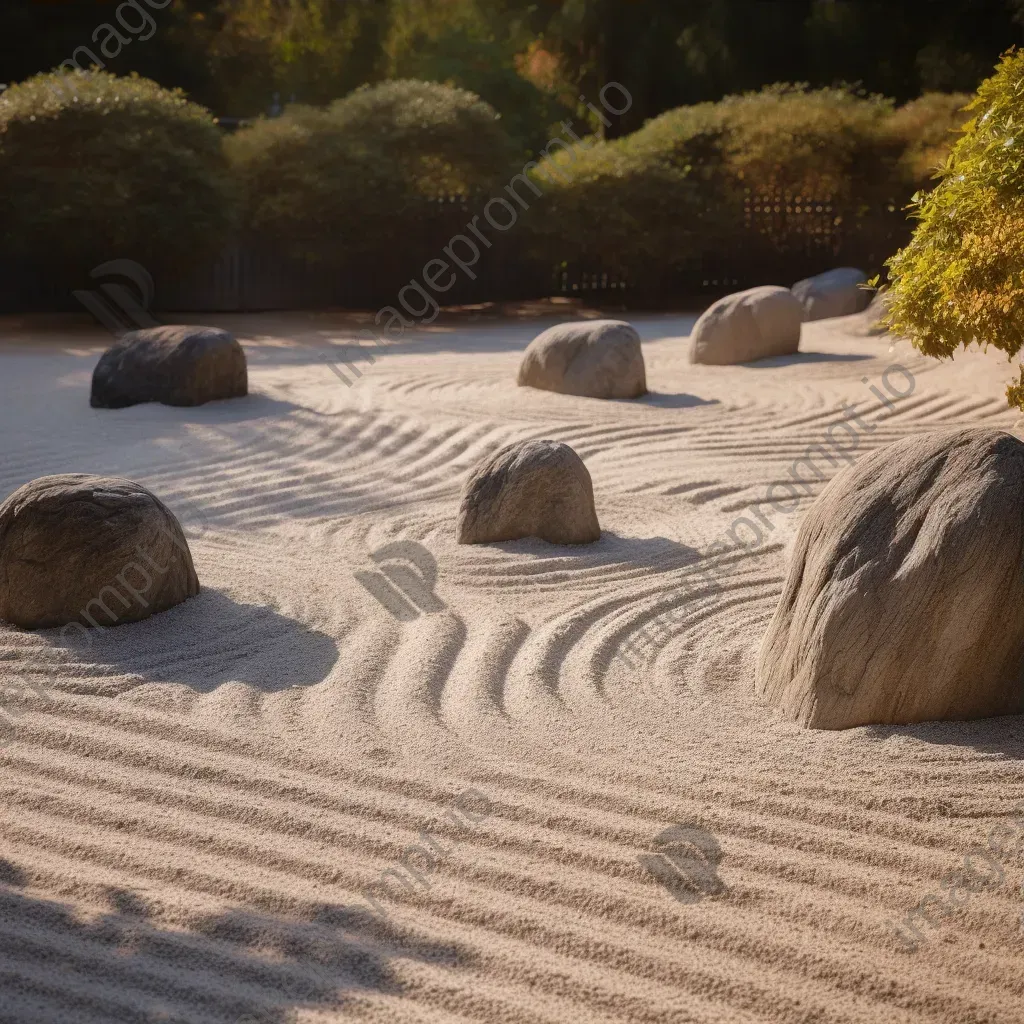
<point>961,278</point>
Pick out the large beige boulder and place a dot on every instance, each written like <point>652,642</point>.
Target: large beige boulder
<point>92,550</point>
<point>904,599</point>
<point>175,365</point>
<point>592,358</point>
<point>746,326</point>
<point>529,489</point>
<point>835,293</point>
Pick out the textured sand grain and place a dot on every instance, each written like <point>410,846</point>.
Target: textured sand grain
<point>192,814</point>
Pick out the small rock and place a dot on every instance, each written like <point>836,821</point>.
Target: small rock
<point>746,326</point>
<point>835,293</point>
<point>529,489</point>
<point>92,550</point>
<point>591,358</point>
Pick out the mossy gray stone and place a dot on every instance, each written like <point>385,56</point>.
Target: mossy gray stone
<point>590,358</point>
<point>529,489</point>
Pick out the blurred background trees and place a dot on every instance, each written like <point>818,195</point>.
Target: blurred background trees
<point>530,60</point>
<point>765,140</point>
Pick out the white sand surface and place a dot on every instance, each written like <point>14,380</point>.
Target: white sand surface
<point>195,810</point>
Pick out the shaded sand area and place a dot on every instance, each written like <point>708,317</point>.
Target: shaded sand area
<point>198,813</point>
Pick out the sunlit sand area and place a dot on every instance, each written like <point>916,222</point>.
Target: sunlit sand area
<point>369,773</point>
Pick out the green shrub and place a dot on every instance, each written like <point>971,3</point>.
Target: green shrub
<point>746,179</point>
<point>615,207</point>
<point>95,167</point>
<point>444,139</point>
<point>370,174</point>
<point>960,280</point>
<point>485,67</point>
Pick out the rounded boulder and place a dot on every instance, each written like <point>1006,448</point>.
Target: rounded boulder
<point>837,292</point>
<point>529,489</point>
<point>93,550</point>
<point>747,326</point>
<point>904,595</point>
<point>590,358</point>
<point>174,365</point>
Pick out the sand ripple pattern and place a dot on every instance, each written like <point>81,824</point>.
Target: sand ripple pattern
<point>196,806</point>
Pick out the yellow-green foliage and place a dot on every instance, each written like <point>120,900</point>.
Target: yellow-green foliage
<point>961,278</point>
<point>612,208</point>
<point>823,141</point>
<point>95,167</point>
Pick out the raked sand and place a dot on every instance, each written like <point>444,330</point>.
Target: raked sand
<point>196,810</point>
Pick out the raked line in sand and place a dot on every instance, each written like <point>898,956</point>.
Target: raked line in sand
<point>193,814</point>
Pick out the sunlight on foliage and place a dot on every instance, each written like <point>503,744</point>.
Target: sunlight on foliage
<point>961,278</point>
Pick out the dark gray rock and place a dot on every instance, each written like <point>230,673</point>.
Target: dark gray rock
<point>904,600</point>
<point>175,365</point>
<point>94,550</point>
<point>529,489</point>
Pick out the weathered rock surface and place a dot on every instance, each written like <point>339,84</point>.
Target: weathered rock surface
<point>904,600</point>
<point>175,365</point>
<point>592,358</point>
<point>746,326</point>
<point>529,489</point>
<point>837,292</point>
<point>89,549</point>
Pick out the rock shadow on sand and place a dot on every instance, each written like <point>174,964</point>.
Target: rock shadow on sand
<point>253,406</point>
<point>660,553</point>
<point>238,966</point>
<point>798,358</point>
<point>1003,735</point>
<point>207,641</point>
<point>672,400</point>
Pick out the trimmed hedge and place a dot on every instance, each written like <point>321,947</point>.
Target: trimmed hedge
<point>781,170</point>
<point>95,167</point>
<point>371,173</point>
<point>961,278</point>
<point>926,129</point>
<point>767,186</point>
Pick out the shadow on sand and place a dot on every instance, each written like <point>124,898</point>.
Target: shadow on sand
<point>798,358</point>
<point>239,966</point>
<point>207,641</point>
<point>1003,735</point>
